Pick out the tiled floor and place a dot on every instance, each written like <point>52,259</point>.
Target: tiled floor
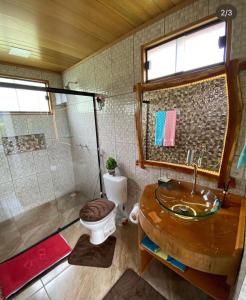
<point>86,283</point>
<point>28,228</point>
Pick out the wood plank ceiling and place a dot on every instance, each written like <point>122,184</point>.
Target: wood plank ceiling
<point>59,33</point>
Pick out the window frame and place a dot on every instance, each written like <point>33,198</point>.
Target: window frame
<point>29,79</point>
<point>193,27</point>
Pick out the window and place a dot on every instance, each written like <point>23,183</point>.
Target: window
<point>19,101</point>
<point>193,50</point>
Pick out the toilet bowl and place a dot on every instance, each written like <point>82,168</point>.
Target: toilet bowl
<point>100,217</point>
<point>101,230</point>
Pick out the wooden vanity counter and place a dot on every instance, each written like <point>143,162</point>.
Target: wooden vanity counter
<point>210,246</point>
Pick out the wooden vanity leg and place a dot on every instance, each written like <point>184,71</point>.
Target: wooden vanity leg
<point>145,259</point>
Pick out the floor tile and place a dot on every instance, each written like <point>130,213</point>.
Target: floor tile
<point>73,233</point>
<point>30,290</point>
<point>55,272</point>
<point>40,295</point>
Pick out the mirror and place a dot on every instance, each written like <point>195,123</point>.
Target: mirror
<point>197,110</point>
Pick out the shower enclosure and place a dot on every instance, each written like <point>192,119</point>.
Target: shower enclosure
<point>49,162</point>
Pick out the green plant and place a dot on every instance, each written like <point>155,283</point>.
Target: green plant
<point>111,163</point>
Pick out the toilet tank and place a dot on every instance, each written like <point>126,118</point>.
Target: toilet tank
<point>115,188</point>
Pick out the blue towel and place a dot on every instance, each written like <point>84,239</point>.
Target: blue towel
<point>147,243</point>
<point>176,263</point>
<point>160,119</point>
<point>242,158</point>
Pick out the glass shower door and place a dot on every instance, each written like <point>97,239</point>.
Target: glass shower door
<point>48,168</point>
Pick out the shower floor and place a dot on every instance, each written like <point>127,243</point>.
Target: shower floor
<point>28,228</point>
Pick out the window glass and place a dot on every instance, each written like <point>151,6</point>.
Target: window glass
<point>188,52</point>
<point>18,100</point>
<point>162,60</point>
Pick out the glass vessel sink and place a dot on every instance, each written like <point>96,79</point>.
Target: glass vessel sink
<point>176,198</point>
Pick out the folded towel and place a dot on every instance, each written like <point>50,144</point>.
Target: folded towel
<point>176,263</point>
<point>160,118</point>
<point>242,158</point>
<point>170,128</point>
<point>162,254</point>
<point>147,243</point>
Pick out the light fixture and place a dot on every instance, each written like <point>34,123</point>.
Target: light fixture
<point>19,52</point>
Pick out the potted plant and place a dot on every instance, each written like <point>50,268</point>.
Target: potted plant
<point>111,164</point>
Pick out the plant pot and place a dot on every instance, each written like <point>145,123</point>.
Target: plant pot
<point>111,172</point>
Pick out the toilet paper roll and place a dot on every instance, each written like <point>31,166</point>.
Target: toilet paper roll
<point>134,214</point>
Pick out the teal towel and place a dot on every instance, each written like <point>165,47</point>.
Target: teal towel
<point>176,263</point>
<point>160,119</point>
<point>242,158</point>
<point>146,242</point>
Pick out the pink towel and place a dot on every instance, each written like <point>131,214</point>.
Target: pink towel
<point>170,127</point>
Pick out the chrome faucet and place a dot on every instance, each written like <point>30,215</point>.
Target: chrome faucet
<point>193,192</point>
<point>189,162</point>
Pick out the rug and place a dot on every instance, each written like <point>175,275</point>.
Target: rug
<point>87,254</point>
<point>18,271</point>
<point>131,286</point>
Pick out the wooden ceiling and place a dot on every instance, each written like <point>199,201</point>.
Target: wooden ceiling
<point>59,33</point>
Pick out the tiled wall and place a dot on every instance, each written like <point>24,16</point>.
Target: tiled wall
<point>31,178</point>
<point>84,151</point>
<point>114,72</point>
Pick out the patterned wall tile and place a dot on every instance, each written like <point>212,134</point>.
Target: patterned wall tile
<point>146,176</point>
<point>142,37</point>
<point>44,124</point>
<point>27,191</point>
<point>13,125</point>
<point>10,205</point>
<point>46,187</point>
<point>124,110</point>
<point>63,179</point>
<point>106,125</point>
<point>189,14</point>
<point>61,123</point>
<point>59,151</point>
<point>107,149</point>
<point>103,72</point>
<point>55,79</point>
<point>86,76</point>
<point>122,66</point>
<point>41,161</point>
<point>126,159</point>
<point>21,165</point>
<point>23,143</point>
<point>5,174</point>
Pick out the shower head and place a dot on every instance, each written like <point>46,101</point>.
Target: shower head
<point>68,83</point>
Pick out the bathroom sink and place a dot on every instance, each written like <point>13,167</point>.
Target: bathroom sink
<point>176,198</point>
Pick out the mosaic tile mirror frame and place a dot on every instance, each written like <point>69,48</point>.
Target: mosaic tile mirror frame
<point>202,122</point>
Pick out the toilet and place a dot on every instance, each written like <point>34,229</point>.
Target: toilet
<point>99,215</point>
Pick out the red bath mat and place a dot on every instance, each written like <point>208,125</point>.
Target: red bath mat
<point>20,270</point>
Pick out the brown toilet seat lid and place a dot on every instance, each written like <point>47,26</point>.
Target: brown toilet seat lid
<point>96,210</point>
